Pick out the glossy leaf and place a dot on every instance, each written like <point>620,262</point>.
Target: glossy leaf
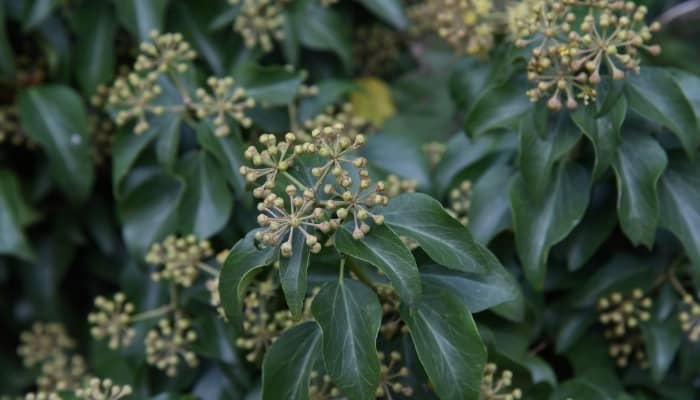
<point>384,249</point>
<point>479,292</point>
<point>287,366</point>
<point>497,107</point>
<point>679,202</point>
<point>207,201</point>
<point>54,116</point>
<point>655,95</point>
<point>95,56</point>
<point>35,12</point>
<point>15,215</point>
<point>449,243</point>
<point>601,132</point>
<point>391,11</point>
<point>539,224</point>
<point>148,212</point>
<point>270,85</point>
<point>662,341</point>
<point>239,268</point>
<point>489,213</point>
<point>7,62</point>
<point>350,315</point>
<point>192,20</point>
<point>293,273</point>
<point>448,345</point>
<point>639,163</point>
<point>323,28</point>
<point>228,151</point>
<point>142,17</point>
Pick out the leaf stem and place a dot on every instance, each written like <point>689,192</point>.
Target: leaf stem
<point>150,314</point>
<point>341,273</point>
<point>208,269</point>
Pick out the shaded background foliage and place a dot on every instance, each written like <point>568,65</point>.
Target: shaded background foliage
<point>573,215</point>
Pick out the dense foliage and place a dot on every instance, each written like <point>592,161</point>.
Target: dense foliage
<point>336,199</point>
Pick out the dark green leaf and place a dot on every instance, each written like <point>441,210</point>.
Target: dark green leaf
<point>350,315</point>
<point>539,224</point>
<point>141,17</point>
<point>449,243</point>
<point>489,213</point>
<point>15,215</point>
<point>329,92</point>
<point>148,212</point>
<point>207,202</point>
<point>448,344</point>
<point>390,11</point>
<point>95,49</point>
<point>239,268</point>
<point>288,363</point>
<point>384,249</point>
<point>293,273</point>
<point>662,342</point>
<point>497,107</point>
<point>272,86</point>
<point>655,95</point>
<point>690,85</point>
<point>229,152</point>
<point>602,135</point>
<point>478,291</point>
<point>572,329</point>
<point>35,12</point>
<point>589,235</point>
<point>639,163</point>
<point>126,149</point>
<point>323,28</point>
<point>192,20</point>
<point>679,201</point>
<point>7,59</point>
<point>579,389</point>
<point>54,116</point>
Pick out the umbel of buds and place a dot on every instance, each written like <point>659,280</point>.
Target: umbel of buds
<point>690,318</point>
<point>225,101</point>
<point>97,389</point>
<point>622,316</point>
<point>498,389</point>
<point>260,22</point>
<point>112,320</point>
<point>575,42</point>
<point>167,52</point>
<point>169,343</point>
<point>391,376</point>
<point>180,259</point>
<point>460,202</point>
<point>42,342</point>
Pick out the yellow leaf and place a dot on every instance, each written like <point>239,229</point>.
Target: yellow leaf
<point>372,100</point>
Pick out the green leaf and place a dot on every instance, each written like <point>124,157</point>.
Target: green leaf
<point>329,92</point>
<point>141,17</point>
<point>95,55</point>
<point>270,85</point>
<point>286,370</point>
<point>229,152</point>
<point>207,202</point>
<point>539,224</point>
<point>54,116</point>
<point>448,344</point>
<point>539,152</point>
<point>572,328</point>
<point>489,213</point>
<point>350,315</point>
<point>589,235</point>
<point>126,149</point>
<point>662,339</point>
<point>384,249</point>
<point>148,212</point>
<point>15,215</point>
<point>35,12</point>
<point>578,389</point>
<point>602,134</point>
<point>293,273</point>
<point>639,163</point>
<point>690,85</point>
<point>449,243</point>
<point>679,201</point>
<point>168,142</point>
<point>497,107</point>
<point>323,28</point>
<point>192,20</point>
<point>238,270</point>
<point>7,59</point>
<point>391,11</point>
<point>656,96</point>
<point>478,291</point>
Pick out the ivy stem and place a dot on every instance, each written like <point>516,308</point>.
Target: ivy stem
<point>208,269</point>
<point>342,270</point>
<point>359,273</point>
<point>150,314</point>
<point>294,180</point>
<point>292,111</point>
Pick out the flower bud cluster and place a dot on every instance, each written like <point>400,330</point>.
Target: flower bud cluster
<point>260,22</point>
<point>42,396</point>
<point>101,138</point>
<point>391,376</point>
<point>342,188</point>
<point>61,372</point>
<point>690,318</point>
<point>169,343</point>
<point>112,320</point>
<point>574,42</point>
<point>622,316</point>
<point>224,101</point>
<point>460,202</point>
<point>105,389</point>
<point>10,129</point>
<point>434,151</point>
<point>180,259</point>
<point>498,389</point>
<point>395,185</point>
<point>391,319</point>
<point>321,387</point>
<point>42,342</point>
<point>167,52</point>
<point>378,49</point>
